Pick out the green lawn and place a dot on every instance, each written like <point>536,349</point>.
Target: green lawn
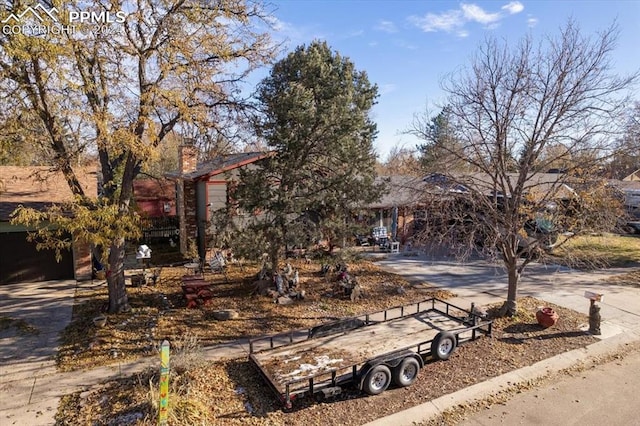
<point>595,251</point>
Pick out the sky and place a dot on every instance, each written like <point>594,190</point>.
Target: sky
<point>407,47</point>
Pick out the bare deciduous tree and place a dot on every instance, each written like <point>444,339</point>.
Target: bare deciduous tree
<point>400,161</point>
<point>626,155</point>
<point>520,111</point>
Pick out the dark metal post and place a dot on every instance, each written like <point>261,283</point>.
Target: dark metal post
<point>594,318</point>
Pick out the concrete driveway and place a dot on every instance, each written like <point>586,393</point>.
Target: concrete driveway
<point>29,346</point>
<point>44,310</point>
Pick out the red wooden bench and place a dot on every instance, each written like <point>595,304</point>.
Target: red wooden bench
<point>196,292</point>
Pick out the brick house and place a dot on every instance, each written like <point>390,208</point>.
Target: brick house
<point>402,211</point>
<point>155,198</point>
<point>156,202</point>
<point>206,187</point>
<point>38,187</point>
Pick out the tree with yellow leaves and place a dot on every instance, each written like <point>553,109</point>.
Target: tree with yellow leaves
<point>118,88</point>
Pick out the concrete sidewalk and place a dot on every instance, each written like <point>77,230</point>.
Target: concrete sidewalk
<point>31,392</point>
<point>30,387</point>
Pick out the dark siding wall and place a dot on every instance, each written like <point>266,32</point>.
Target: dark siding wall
<point>21,262</point>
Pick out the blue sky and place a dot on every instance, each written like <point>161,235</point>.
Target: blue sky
<point>406,47</point>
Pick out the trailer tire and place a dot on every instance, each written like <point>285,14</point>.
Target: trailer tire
<point>443,345</point>
<point>406,372</point>
<point>377,380</point>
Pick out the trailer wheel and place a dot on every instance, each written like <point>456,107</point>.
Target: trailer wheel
<point>443,345</point>
<point>406,372</point>
<point>377,380</point>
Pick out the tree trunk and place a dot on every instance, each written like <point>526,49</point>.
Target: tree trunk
<point>273,257</point>
<point>510,306</point>
<point>118,300</point>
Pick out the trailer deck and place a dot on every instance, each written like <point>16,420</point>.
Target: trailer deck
<point>324,358</point>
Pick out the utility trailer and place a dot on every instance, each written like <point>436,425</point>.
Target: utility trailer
<point>368,352</point>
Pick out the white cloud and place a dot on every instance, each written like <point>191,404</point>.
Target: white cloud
<point>291,35</point>
<point>513,7</point>
<point>386,26</point>
<point>454,21</point>
<point>387,88</point>
<point>532,22</point>
<point>406,45</point>
<point>447,21</point>
<point>475,13</point>
<point>275,23</point>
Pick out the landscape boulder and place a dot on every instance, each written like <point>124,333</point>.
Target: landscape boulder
<point>225,314</point>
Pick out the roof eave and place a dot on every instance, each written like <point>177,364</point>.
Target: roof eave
<point>231,167</point>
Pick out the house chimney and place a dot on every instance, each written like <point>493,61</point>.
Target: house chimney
<point>185,191</point>
<point>187,158</point>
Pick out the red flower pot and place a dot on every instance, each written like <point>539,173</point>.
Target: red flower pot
<point>546,317</point>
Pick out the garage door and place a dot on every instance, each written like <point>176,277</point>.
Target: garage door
<point>21,262</point>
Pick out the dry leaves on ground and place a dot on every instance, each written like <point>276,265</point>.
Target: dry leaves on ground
<point>159,312</point>
<point>232,392</point>
<point>10,325</point>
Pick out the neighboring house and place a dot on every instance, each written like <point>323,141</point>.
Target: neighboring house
<point>38,187</point>
<point>204,188</point>
<point>402,210</point>
<point>539,185</point>
<point>395,209</point>
<point>630,186</point>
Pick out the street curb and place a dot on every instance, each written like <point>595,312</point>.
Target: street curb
<point>426,411</point>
